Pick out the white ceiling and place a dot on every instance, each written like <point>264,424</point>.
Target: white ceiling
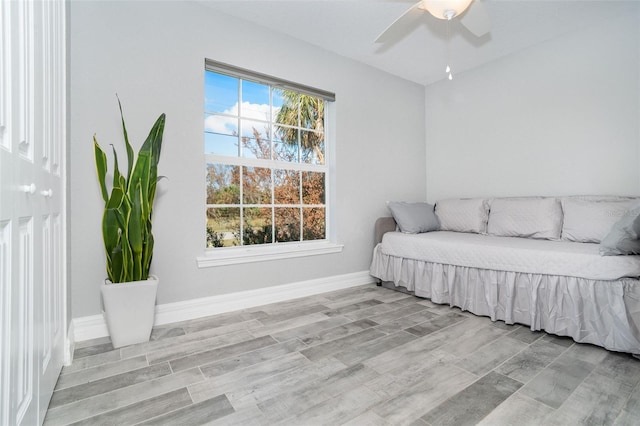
<point>349,28</point>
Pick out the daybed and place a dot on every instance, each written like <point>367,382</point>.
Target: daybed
<point>554,264</point>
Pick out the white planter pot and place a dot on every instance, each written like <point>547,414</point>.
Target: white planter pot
<point>129,310</point>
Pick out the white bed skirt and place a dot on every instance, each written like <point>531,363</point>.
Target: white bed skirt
<point>604,313</point>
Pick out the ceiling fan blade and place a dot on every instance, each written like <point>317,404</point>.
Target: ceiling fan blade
<point>391,32</point>
<point>476,19</point>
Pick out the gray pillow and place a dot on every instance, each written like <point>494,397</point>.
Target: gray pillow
<point>463,214</point>
<point>623,237</point>
<point>526,218</point>
<point>414,218</point>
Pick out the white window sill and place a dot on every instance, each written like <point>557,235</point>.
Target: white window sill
<point>237,255</point>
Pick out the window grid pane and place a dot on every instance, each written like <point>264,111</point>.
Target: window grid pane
<point>248,205</point>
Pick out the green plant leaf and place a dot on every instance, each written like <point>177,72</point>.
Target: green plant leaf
<point>126,141</point>
<point>116,170</point>
<point>136,223</point>
<point>101,167</point>
<point>111,234</point>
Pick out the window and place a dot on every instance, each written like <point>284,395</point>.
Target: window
<point>266,163</point>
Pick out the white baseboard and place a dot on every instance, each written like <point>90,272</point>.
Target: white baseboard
<point>69,345</point>
<point>94,326</point>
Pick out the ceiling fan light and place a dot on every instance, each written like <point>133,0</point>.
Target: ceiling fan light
<point>439,8</point>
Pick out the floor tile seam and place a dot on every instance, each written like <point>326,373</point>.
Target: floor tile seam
<point>122,407</point>
<point>299,337</point>
<point>75,355</point>
<point>478,378</point>
<point>417,384</point>
<point>524,349</point>
<point>212,318</point>
<point>619,415</point>
<point>54,409</point>
<point>622,406</point>
<point>489,342</point>
<point>282,323</point>
<point>349,335</point>
<point>356,297</point>
<point>296,301</point>
<point>350,415</point>
<point>97,365</point>
<point>383,399</point>
<point>245,387</point>
<point>287,341</point>
<point>418,324</point>
<point>190,334</point>
<point>233,355</point>
<point>147,354</point>
<point>636,386</point>
<point>524,341</point>
<point>116,389</point>
<point>346,335</point>
<point>310,360</point>
<point>495,369</point>
<point>216,348</point>
<point>545,368</point>
<point>526,345</point>
<point>319,311</point>
<point>398,319</point>
<point>406,316</point>
<point>533,400</point>
<point>367,308</point>
<point>196,340</point>
<point>309,384</point>
<point>105,377</point>
<point>594,372</point>
<point>168,326</point>
<point>357,345</point>
<point>62,372</point>
<point>168,412</point>
<point>254,365</point>
<point>445,328</point>
<point>290,419</point>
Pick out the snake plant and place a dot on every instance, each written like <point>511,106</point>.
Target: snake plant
<point>126,221</point>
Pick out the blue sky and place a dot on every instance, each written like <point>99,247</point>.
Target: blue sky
<point>221,93</point>
<point>221,96</point>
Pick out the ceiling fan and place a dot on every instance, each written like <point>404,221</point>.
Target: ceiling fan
<point>471,14</point>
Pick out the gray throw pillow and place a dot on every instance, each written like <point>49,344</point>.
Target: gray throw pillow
<point>623,237</point>
<point>414,218</point>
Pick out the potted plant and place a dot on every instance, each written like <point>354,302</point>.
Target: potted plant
<point>129,293</point>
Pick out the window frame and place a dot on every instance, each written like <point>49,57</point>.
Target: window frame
<point>218,256</point>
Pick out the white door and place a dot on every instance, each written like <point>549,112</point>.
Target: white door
<point>32,236</point>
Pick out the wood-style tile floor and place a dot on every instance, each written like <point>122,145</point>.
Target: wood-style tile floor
<point>362,356</point>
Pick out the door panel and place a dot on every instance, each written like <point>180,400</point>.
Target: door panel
<point>5,312</point>
<point>24,389</point>
<point>32,216</point>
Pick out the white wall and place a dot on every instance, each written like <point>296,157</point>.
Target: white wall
<point>152,54</point>
<point>558,118</point>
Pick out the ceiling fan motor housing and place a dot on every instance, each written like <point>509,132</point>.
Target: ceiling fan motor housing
<point>445,9</point>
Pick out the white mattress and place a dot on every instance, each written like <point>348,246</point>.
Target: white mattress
<point>525,255</point>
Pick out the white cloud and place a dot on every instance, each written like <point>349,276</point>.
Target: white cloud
<point>228,125</point>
